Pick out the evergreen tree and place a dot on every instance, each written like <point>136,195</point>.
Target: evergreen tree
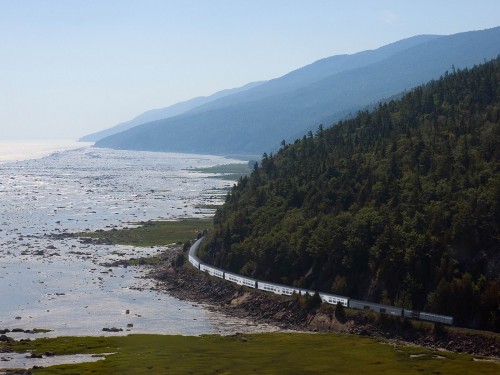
<point>400,205</point>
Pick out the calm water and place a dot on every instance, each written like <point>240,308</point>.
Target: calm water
<point>61,284</point>
<point>23,150</point>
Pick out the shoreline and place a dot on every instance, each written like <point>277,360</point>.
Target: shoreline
<point>45,200</point>
<point>240,311</point>
<point>290,314</point>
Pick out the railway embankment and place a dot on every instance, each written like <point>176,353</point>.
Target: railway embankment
<point>293,313</point>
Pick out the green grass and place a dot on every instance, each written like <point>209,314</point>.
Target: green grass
<point>227,171</point>
<point>152,233</point>
<point>209,206</point>
<point>41,330</point>
<point>269,353</point>
<point>239,168</point>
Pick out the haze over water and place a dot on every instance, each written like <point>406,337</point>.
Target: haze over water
<point>24,150</point>
<point>60,284</point>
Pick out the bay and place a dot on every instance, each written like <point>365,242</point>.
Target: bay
<point>31,149</point>
<point>60,283</point>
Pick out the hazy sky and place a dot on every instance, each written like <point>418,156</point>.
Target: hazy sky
<point>72,67</point>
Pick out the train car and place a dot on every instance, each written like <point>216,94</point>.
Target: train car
<point>444,319</point>
<point>212,271</point>
<point>195,246</point>
<point>277,288</point>
<point>383,309</point>
<point>333,299</point>
<point>304,292</point>
<point>240,280</point>
<point>413,314</point>
<point>194,261</point>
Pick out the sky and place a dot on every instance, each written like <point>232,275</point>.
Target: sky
<point>72,67</point>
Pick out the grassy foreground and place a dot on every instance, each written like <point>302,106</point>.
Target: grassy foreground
<point>152,233</point>
<point>269,353</point>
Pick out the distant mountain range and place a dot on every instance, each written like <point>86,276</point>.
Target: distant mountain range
<point>163,113</point>
<point>255,119</point>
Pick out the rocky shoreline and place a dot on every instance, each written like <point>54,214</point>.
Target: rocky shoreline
<point>184,282</point>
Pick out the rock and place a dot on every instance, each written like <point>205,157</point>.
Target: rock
<point>113,329</point>
<point>8,339</point>
<point>33,355</point>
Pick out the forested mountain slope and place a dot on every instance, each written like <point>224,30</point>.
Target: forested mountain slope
<point>249,124</point>
<point>400,205</point>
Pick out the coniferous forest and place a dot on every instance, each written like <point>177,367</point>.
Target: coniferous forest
<point>400,205</point>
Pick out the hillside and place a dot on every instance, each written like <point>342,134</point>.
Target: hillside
<point>167,112</point>
<point>306,75</point>
<point>400,205</point>
<point>257,120</point>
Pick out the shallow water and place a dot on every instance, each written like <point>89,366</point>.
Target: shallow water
<point>24,150</point>
<point>59,284</point>
<point>22,360</point>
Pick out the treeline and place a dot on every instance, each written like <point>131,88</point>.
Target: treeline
<point>400,205</point>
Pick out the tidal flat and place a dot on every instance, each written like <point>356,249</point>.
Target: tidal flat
<point>51,280</point>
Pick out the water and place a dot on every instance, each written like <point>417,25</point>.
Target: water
<point>23,150</point>
<point>21,360</point>
<point>60,284</point>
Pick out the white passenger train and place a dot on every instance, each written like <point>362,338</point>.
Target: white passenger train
<point>240,280</point>
<point>325,297</point>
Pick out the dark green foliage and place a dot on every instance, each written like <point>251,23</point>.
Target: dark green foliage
<point>339,312</point>
<point>186,246</point>
<point>439,329</point>
<point>400,205</point>
<point>313,302</point>
<point>178,261</point>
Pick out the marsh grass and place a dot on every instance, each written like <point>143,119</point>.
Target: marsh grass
<point>152,233</point>
<point>41,330</point>
<point>208,206</point>
<point>236,168</point>
<point>269,353</point>
<point>228,171</point>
